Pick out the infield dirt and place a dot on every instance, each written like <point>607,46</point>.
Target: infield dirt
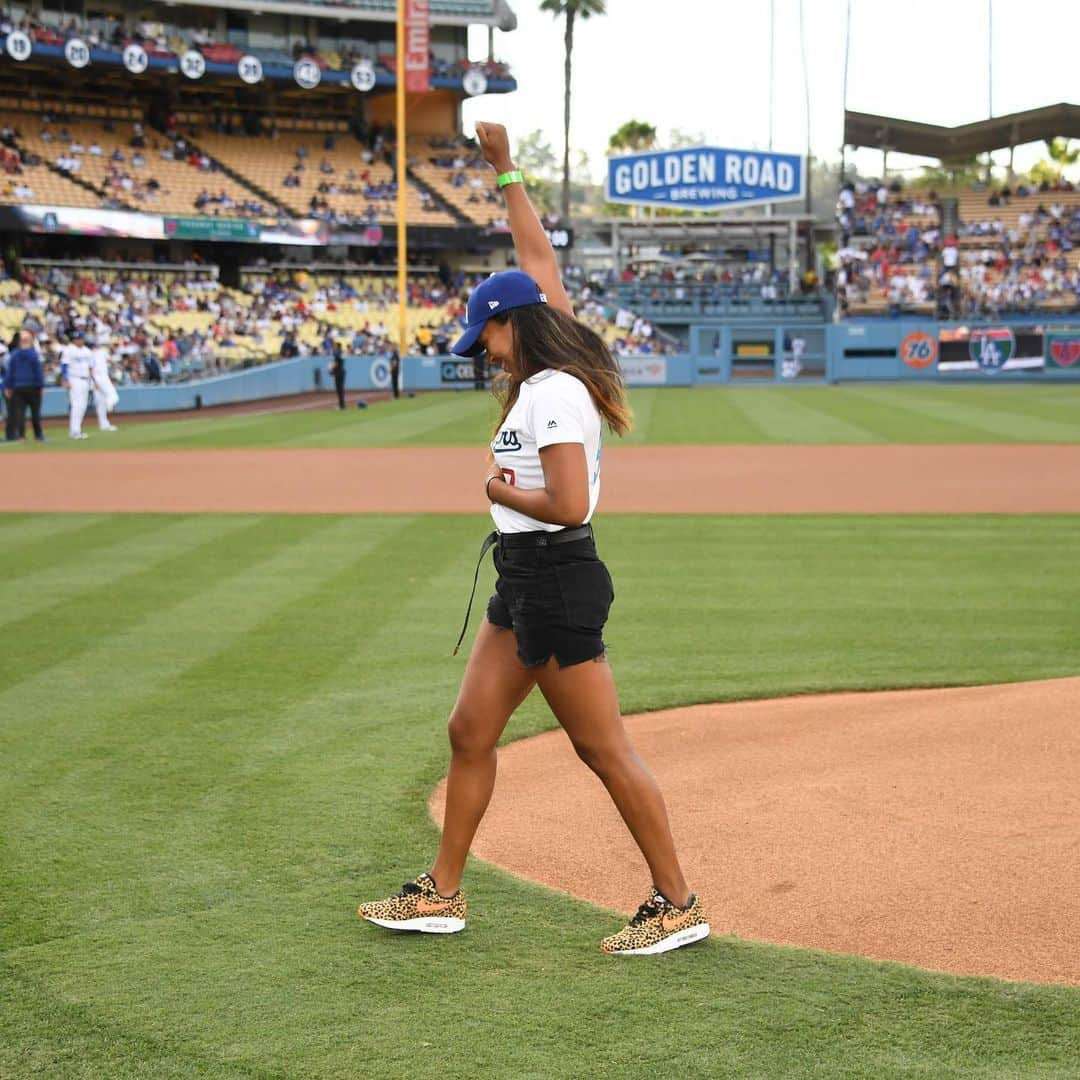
<point>657,479</point>
<point>932,827</point>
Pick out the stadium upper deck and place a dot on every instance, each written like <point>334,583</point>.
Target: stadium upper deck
<point>104,136</point>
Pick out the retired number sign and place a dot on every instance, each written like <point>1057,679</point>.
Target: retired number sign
<point>307,73</point>
<point>135,59</point>
<point>363,76</point>
<point>77,52</point>
<point>193,64</point>
<point>19,46</point>
<point>250,69</point>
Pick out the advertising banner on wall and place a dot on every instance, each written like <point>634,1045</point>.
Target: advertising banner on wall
<point>643,370</point>
<point>704,178</point>
<point>1063,349</point>
<point>919,350</point>
<point>990,349</point>
<point>417,46</point>
<point>83,221</point>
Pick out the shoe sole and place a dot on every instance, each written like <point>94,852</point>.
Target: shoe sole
<point>426,925</point>
<point>672,941</point>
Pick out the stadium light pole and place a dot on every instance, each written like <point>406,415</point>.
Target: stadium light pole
<point>989,80</point>
<point>809,158</point>
<point>772,67</point>
<point>847,53</point>
<point>402,237</point>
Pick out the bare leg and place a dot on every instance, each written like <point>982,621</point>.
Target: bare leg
<point>584,701</point>
<point>495,684</point>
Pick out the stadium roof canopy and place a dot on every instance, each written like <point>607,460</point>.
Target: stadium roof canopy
<point>965,141</point>
<point>443,12</point>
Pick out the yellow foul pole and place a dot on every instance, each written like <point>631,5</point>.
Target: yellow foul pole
<point>402,245</point>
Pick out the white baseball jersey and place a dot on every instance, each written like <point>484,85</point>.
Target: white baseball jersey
<point>78,359</point>
<point>552,407</point>
<point>99,366</point>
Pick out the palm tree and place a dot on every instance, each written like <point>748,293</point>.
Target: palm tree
<point>571,10</point>
<point>1059,152</point>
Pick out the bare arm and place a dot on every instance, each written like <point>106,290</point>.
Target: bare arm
<point>564,498</point>
<point>534,252</point>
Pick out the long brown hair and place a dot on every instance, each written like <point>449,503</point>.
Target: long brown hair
<point>547,338</point>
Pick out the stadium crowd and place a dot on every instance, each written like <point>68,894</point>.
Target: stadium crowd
<point>178,324</point>
<point>894,255</point>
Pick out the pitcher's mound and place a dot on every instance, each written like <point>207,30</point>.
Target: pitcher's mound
<point>934,827</point>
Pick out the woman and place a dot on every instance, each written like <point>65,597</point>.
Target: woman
<point>544,625</point>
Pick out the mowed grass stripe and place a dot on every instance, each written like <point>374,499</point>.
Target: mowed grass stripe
<point>181,560</point>
<point>74,1043</point>
<point>75,586</point>
<point>886,418</point>
<point>58,542</point>
<point>1050,405</point>
<point>841,428</point>
<point>995,425</point>
<point>709,415</point>
<point>784,417</point>
<point>119,758</point>
<point>17,530</point>
<point>1046,402</point>
<point>460,417</point>
<point>213,594</point>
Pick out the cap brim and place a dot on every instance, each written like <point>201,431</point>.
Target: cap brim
<point>469,342</point>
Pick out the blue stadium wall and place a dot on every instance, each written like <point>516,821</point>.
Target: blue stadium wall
<point>856,350</point>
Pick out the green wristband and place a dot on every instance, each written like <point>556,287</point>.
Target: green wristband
<point>515,177</point>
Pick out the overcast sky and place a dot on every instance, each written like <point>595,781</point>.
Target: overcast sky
<point>703,66</point>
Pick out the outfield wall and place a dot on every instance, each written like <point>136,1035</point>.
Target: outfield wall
<point>857,350</point>
<point>303,375</point>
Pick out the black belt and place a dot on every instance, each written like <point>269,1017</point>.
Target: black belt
<point>518,540</point>
<point>544,539</point>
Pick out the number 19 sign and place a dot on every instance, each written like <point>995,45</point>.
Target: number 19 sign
<point>705,178</point>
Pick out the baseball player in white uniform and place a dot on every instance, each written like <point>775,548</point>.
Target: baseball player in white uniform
<point>75,363</point>
<point>105,395</point>
<point>791,367</point>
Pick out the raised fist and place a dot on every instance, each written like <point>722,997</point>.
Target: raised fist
<point>495,146</point>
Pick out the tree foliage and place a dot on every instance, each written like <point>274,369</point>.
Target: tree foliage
<point>633,135</point>
<point>1059,152</point>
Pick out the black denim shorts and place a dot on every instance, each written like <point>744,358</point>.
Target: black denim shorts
<point>556,600</point>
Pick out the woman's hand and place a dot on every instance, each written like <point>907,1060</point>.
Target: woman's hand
<point>495,146</point>
<point>494,472</point>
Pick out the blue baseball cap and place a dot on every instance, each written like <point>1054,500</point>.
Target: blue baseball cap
<point>498,293</point>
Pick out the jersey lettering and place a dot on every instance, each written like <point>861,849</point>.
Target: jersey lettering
<point>506,442</point>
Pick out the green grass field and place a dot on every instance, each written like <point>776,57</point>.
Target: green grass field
<point>218,733</point>
<point>741,415</point>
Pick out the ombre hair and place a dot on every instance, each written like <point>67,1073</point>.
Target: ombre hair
<point>546,338</point>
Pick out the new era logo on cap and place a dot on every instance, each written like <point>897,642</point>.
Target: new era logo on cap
<point>552,423</point>
<point>493,304</point>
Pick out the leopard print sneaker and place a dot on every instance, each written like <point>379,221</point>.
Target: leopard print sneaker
<point>658,927</point>
<point>419,907</point>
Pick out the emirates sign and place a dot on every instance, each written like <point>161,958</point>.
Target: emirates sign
<point>417,46</point>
